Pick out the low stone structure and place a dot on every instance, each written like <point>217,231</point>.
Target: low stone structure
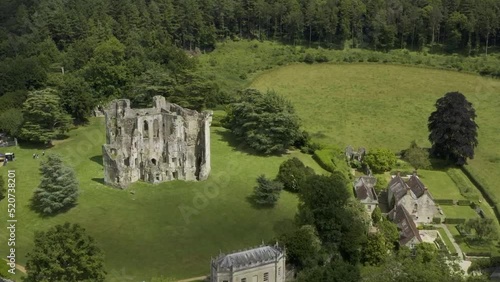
<point>261,264</point>
<point>162,143</point>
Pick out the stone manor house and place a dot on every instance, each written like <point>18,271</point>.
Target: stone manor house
<point>260,264</point>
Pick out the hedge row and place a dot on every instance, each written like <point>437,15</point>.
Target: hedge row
<point>324,159</point>
<point>451,220</point>
<point>464,202</point>
<point>491,199</point>
<point>478,254</point>
<point>446,202</point>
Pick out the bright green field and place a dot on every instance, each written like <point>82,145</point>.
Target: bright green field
<point>145,234</point>
<point>374,105</point>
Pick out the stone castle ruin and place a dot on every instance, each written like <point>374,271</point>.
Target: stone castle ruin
<point>163,143</point>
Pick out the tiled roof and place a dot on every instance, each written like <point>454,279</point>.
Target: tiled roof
<point>408,228</point>
<point>364,188</point>
<point>398,187</point>
<point>416,186</point>
<point>248,258</point>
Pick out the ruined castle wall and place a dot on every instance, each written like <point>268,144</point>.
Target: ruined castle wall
<point>156,144</point>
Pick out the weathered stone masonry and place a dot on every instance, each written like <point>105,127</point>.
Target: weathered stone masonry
<point>158,144</point>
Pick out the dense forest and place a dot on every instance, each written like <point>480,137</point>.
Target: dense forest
<point>91,51</point>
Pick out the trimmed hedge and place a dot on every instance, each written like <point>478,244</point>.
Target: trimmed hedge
<point>478,254</point>
<point>445,202</point>
<point>437,220</point>
<point>464,202</point>
<point>331,160</point>
<point>452,220</point>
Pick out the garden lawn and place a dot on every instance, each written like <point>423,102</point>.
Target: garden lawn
<point>171,229</point>
<point>459,211</point>
<point>446,240</point>
<point>375,105</point>
<point>440,184</point>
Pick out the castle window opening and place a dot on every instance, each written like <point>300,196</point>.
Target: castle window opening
<point>145,130</point>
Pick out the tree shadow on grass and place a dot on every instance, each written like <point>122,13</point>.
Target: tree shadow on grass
<point>252,201</point>
<point>99,180</point>
<point>38,208</point>
<point>440,164</point>
<point>284,226</point>
<point>97,159</point>
<point>238,145</point>
<point>34,146</point>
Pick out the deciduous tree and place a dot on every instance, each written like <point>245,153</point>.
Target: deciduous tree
<point>380,160</point>
<point>44,117</point>
<point>292,173</point>
<point>65,253</point>
<point>417,157</point>
<point>453,131</point>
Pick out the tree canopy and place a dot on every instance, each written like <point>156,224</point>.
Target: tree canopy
<point>44,118</point>
<point>267,122</point>
<point>453,131</point>
<point>293,173</point>
<point>58,189</point>
<point>65,253</point>
<point>380,160</point>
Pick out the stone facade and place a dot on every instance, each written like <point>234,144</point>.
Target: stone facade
<point>261,264</point>
<point>162,143</point>
<point>414,196</point>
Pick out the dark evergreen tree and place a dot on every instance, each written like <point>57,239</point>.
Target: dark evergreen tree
<point>266,123</point>
<point>293,173</point>
<point>65,253</point>
<point>453,131</point>
<point>58,189</point>
<point>267,192</point>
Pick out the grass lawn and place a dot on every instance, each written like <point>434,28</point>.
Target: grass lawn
<point>440,184</point>
<point>171,229</point>
<point>375,105</point>
<point>446,240</point>
<point>459,211</point>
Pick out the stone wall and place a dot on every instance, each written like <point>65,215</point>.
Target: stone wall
<point>162,143</point>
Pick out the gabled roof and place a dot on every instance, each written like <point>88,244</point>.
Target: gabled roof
<point>416,186</point>
<point>408,228</point>
<point>364,188</point>
<point>398,187</point>
<point>242,259</point>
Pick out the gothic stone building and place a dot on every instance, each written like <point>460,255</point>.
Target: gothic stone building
<point>261,264</point>
<point>162,143</point>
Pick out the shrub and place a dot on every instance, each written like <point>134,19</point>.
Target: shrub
<point>464,202</point>
<point>436,220</point>
<point>380,160</point>
<point>321,58</point>
<point>444,202</point>
<point>308,58</point>
<point>243,76</point>
<point>292,173</point>
<point>451,220</point>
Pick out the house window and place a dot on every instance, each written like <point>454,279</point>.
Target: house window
<point>243,280</point>
<point>266,276</point>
